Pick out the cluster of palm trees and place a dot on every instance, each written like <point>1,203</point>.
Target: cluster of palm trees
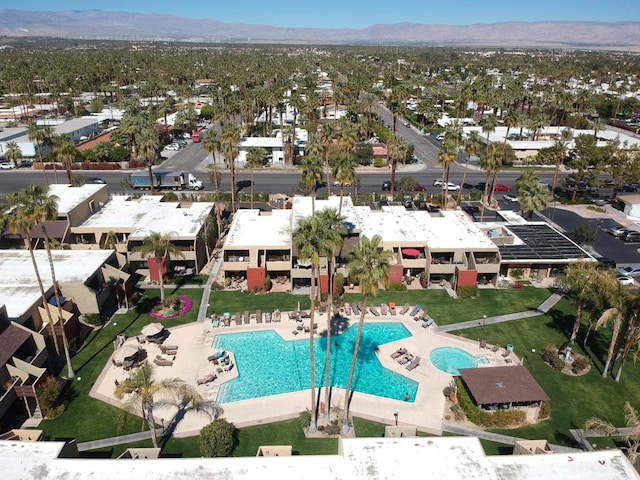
<point>598,293</point>
<point>322,235</point>
<point>27,209</point>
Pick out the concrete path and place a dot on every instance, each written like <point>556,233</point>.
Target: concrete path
<point>122,440</point>
<point>543,308</point>
<point>580,436</point>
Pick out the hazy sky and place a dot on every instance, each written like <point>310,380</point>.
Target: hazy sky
<point>358,13</point>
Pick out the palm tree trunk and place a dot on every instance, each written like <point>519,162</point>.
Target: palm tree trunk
<point>45,304</point>
<point>485,199</point>
<point>147,410</point>
<point>160,277</point>
<point>56,291</point>
<point>555,179</point>
<point>252,188</point>
<point>576,323</point>
<point>232,165</point>
<point>464,178</point>
<point>327,361</point>
<point>314,413</point>
<point>393,177</point>
<point>347,393</point>
<point>619,372</point>
<point>341,195</point>
<point>150,172</point>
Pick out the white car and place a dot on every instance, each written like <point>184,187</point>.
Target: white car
<point>173,146</point>
<point>7,165</point>
<point>336,183</point>
<point>510,197</point>
<point>440,137</point>
<point>624,280</point>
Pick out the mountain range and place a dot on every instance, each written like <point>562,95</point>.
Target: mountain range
<point>96,24</point>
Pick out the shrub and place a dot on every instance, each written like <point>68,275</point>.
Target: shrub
<point>305,419</point>
<point>558,363</point>
<point>579,364</point>
<point>517,273</point>
<point>267,283</point>
<point>339,284</point>
<point>468,292</point>
<point>458,413</point>
<point>378,163</point>
<point>396,287</point>
<point>545,410</point>
<point>496,419</point>
<point>424,279</point>
<point>93,319</point>
<point>48,393</point>
<point>227,282</point>
<point>334,428</point>
<point>549,354</point>
<point>217,439</point>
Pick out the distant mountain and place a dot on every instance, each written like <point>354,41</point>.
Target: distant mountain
<point>96,24</point>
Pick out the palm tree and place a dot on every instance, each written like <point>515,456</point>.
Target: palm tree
<point>344,171</point>
<point>159,246</point>
<point>13,153</point>
<point>632,420</point>
<point>579,279</point>
<point>533,195</point>
<point>212,143</point>
<point>489,124</point>
<point>65,150</point>
<point>446,158</point>
<point>488,162</point>
<point>148,144</point>
<point>369,266</point>
<point>311,176</point>
<point>397,151</point>
<point>472,146</point>
<point>21,218</point>
<point>332,226</point>
<point>559,151</point>
<point>230,142</point>
<point>142,393</point>
<point>310,242</point>
<point>36,134</point>
<point>255,159</point>
<point>616,315</point>
<point>632,337</point>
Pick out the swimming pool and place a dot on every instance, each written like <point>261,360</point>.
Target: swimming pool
<point>451,360</point>
<point>268,365</point>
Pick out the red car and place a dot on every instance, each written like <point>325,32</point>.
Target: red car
<point>499,187</point>
<point>419,188</point>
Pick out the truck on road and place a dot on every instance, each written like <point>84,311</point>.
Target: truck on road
<point>196,136</point>
<point>165,181</point>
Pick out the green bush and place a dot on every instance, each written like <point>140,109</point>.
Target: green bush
<point>218,439</point>
<point>579,364</point>
<point>48,393</point>
<point>339,281</point>
<point>378,163</point>
<point>468,292</point>
<point>267,283</point>
<point>558,363</point>
<point>396,287</point>
<point>305,419</point>
<point>93,319</point>
<point>545,410</point>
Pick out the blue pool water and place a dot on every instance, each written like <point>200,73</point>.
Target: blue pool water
<point>268,365</point>
<point>451,360</point>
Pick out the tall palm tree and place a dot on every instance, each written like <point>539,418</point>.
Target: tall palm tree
<point>256,157</point>
<point>148,145</point>
<point>489,124</point>
<point>332,227</point>
<point>631,342</point>
<point>311,176</point>
<point>65,150</point>
<point>160,247</point>
<point>559,150</point>
<point>143,393</point>
<point>632,420</point>
<point>310,241</point>
<point>230,142</point>
<point>13,153</point>
<point>398,149</point>
<point>472,145</point>
<point>369,266</point>
<point>533,195</point>
<point>488,162</point>
<point>344,171</point>
<point>579,279</point>
<point>212,143</point>
<point>21,218</point>
<point>36,134</point>
<point>446,158</point>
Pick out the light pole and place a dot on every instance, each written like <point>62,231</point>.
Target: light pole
<point>395,414</point>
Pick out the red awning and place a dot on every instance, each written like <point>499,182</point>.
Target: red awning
<point>411,252</point>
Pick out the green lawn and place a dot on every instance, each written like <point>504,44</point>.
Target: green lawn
<point>573,399</point>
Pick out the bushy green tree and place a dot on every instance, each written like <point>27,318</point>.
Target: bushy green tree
<point>218,439</point>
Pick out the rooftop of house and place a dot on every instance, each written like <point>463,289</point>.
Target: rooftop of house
<point>302,208</point>
<point>253,227</point>
<point>141,216</point>
<point>18,285</point>
<point>69,196</point>
<point>360,458</point>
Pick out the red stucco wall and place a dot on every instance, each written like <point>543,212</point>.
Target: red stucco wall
<point>255,278</point>
<point>467,278</point>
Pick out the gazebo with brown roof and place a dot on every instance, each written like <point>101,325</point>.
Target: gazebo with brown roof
<point>502,385</point>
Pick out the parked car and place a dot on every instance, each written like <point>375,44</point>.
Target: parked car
<point>386,186</point>
<point>407,124</point>
<point>173,146</point>
<point>631,237</point>
<point>630,271</point>
<point>437,182</point>
<point>25,164</point>
<point>624,280</point>
<point>96,180</point>
<point>510,197</point>
<point>419,188</point>
<point>242,184</point>
<point>500,187</point>
<point>607,262</point>
<point>452,187</point>
<point>7,165</point>
<point>619,230</point>
<point>336,183</point>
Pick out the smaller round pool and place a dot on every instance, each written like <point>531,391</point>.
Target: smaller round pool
<point>450,360</point>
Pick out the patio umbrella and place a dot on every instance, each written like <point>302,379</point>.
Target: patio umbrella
<point>152,329</point>
<point>411,252</point>
<point>126,351</point>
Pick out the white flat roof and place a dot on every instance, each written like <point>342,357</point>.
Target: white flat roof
<point>148,214</point>
<point>252,227</point>
<point>266,142</point>
<point>18,285</point>
<point>70,197</point>
<point>358,459</point>
<point>448,230</point>
<point>301,207</point>
<point>75,124</point>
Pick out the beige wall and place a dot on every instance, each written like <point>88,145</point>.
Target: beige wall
<point>81,212</point>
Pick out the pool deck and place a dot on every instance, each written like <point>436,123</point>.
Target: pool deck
<point>426,411</point>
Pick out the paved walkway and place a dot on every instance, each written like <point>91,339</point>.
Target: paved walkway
<point>543,308</point>
<point>121,440</point>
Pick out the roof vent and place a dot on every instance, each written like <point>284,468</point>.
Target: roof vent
<point>499,385</point>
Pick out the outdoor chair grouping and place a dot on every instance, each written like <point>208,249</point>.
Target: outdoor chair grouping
<point>403,357</point>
